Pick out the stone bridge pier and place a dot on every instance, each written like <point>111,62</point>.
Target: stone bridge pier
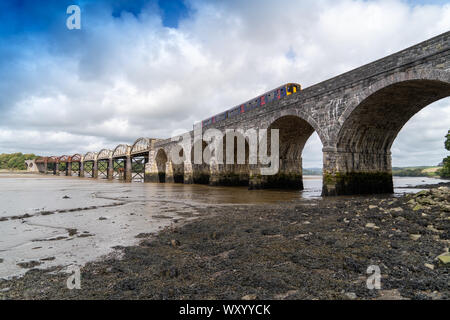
<point>357,157</point>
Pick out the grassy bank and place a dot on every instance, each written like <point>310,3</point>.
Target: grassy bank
<point>423,171</point>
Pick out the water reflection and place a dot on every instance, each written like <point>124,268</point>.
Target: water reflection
<point>105,213</point>
<point>27,193</point>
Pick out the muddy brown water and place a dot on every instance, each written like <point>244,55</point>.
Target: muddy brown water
<point>48,221</point>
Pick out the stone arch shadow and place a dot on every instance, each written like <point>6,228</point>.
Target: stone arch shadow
<point>361,162</point>
<point>295,128</point>
<point>161,160</point>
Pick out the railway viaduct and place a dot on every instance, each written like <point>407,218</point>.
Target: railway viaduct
<point>357,116</point>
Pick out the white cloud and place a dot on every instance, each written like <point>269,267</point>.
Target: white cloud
<point>132,77</point>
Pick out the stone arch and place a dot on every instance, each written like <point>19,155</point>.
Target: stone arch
<point>361,161</point>
<point>421,75</point>
<point>294,132</point>
<point>299,112</point>
<point>161,160</point>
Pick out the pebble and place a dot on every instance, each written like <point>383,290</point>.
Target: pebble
<point>429,266</point>
<point>432,228</point>
<point>444,258</point>
<point>351,295</point>
<point>415,237</point>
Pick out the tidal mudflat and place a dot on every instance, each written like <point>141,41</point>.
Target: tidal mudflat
<point>48,221</point>
<point>218,243</point>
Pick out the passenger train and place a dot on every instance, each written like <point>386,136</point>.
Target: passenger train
<point>260,101</point>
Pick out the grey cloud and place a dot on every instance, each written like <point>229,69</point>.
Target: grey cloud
<point>122,78</point>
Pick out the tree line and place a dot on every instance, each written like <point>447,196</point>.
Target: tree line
<point>15,161</point>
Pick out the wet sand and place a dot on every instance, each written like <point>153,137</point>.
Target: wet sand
<point>48,221</point>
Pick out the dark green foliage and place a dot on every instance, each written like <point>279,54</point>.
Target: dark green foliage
<point>15,161</point>
<point>447,141</point>
<point>88,165</point>
<point>445,171</point>
<point>411,172</point>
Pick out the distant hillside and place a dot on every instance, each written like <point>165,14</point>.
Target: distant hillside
<point>15,161</point>
<point>421,171</point>
<point>312,171</point>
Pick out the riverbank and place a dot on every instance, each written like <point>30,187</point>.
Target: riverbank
<point>315,249</point>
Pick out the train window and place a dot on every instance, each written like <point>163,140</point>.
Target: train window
<point>220,117</point>
<point>290,89</point>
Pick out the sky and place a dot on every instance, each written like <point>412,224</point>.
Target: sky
<point>149,68</point>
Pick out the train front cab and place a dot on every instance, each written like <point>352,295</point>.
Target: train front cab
<point>292,88</point>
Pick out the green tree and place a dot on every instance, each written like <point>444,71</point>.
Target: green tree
<point>447,141</point>
<point>15,161</point>
<point>445,171</point>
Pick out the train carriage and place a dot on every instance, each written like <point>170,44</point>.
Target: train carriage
<point>260,101</point>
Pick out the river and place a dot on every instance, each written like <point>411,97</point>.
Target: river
<point>50,221</point>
